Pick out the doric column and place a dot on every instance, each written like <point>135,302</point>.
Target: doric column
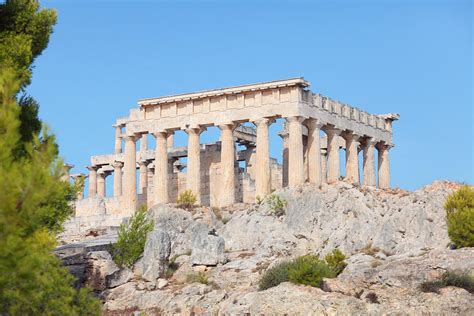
<point>284,136</point>
<point>334,169</point>
<point>143,176</point>
<point>352,157</point>
<point>129,175</point>
<point>117,178</point>
<point>369,162</point>
<point>227,164</point>
<point>193,180</point>
<point>170,140</point>
<point>92,181</point>
<point>118,139</point>
<point>314,152</point>
<point>262,165</point>
<point>144,142</point>
<point>101,183</point>
<point>160,179</point>
<point>324,165</point>
<point>295,151</point>
<point>384,166</point>
<point>79,184</point>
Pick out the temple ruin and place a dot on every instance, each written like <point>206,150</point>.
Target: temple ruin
<point>212,171</point>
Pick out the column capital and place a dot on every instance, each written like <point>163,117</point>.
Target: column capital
<point>292,119</point>
<point>103,173</point>
<point>383,146</point>
<point>349,135</point>
<point>195,130</point>
<point>331,130</point>
<point>143,163</point>
<point>368,141</point>
<point>92,168</point>
<point>117,164</point>
<point>313,124</point>
<point>228,126</point>
<point>263,121</point>
<point>133,137</point>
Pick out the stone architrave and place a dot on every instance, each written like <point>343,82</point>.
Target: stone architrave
<point>263,174</point>
<point>295,151</point>
<point>129,175</point>
<point>383,165</point>
<point>92,181</point>
<point>334,168</point>
<point>369,162</point>
<point>314,152</point>
<point>227,164</point>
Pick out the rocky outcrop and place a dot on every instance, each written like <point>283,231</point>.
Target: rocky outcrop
<point>208,249</point>
<point>155,256</point>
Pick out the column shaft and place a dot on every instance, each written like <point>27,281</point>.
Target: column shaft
<point>101,184</point>
<point>369,163</point>
<point>295,151</point>
<point>227,165</point>
<point>263,172</point>
<point>118,139</point>
<point>324,166</point>
<point>118,178</point>
<point>129,175</point>
<point>334,169</point>
<point>285,159</point>
<point>160,179</point>
<point>193,180</point>
<point>143,177</point>
<point>92,181</point>
<point>314,152</point>
<point>352,158</point>
<point>384,166</point>
<point>170,140</point>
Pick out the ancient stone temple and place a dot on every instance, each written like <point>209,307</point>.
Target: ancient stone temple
<point>315,130</point>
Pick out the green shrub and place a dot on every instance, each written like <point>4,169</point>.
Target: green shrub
<point>275,275</point>
<point>459,208</point>
<point>276,204</point>
<point>258,199</point>
<point>131,239</point>
<point>186,199</point>
<point>309,270</point>
<point>197,277</point>
<point>335,260</point>
<point>450,278</point>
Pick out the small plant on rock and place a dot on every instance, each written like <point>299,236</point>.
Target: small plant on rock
<point>197,277</point>
<point>335,260</point>
<point>258,199</point>
<point>459,208</point>
<point>309,270</point>
<point>450,278</point>
<point>274,275</point>
<point>131,239</point>
<point>186,199</point>
<point>276,204</point>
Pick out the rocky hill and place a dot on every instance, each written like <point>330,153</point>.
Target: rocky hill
<point>394,240</point>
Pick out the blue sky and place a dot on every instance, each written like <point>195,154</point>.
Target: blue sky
<point>410,57</point>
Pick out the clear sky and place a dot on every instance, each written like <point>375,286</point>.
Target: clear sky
<point>413,57</point>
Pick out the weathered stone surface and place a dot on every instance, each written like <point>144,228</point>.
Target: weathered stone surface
<point>155,256</point>
<point>207,249</point>
<point>119,277</point>
<point>99,265</point>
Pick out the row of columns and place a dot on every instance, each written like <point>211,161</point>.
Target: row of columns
<point>294,162</point>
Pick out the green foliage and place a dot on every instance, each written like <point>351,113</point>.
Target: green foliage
<point>186,199</point>
<point>276,204</point>
<point>335,260</point>
<point>197,277</point>
<point>459,208</point>
<point>450,278</point>
<point>34,204</point>
<point>258,199</point>
<point>307,270</point>
<point>132,238</point>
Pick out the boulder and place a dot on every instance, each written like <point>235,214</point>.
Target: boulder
<point>155,256</point>
<point>99,265</point>
<point>208,249</point>
<point>119,277</point>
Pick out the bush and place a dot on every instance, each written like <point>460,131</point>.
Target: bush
<point>197,277</point>
<point>307,270</point>
<point>131,239</point>
<point>335,260</point>
<point>276,204</point>
<point>459,208</point>
<point>450,278</point>
<point>186,199</point>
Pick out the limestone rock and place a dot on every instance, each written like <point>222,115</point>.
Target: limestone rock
<point>207,249</point>
<point>119,277</point>
<point>155,256</point>
<point>99,265</point>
